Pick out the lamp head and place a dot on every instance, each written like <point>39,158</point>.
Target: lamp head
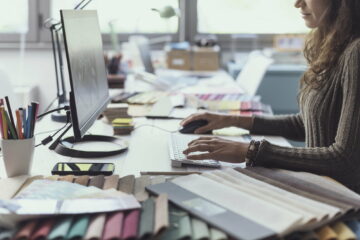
<point>166,12</point>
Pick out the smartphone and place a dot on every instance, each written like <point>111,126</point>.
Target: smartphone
<point>78,169</point>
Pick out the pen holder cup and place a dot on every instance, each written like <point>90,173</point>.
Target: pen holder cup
<point>18,156</point>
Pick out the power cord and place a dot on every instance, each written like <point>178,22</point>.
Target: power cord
<point>66,108</point>
<point>150,125</point>
<point>48,139</point>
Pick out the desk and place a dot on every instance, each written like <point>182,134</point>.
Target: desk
<point>148,149</point>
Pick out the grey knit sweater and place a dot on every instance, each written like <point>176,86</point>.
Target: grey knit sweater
<point>328,122</point>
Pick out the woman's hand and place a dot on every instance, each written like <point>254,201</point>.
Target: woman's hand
<point>217,149</point>
<point>215,121</point>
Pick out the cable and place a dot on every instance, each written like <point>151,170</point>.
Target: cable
<point>150,125</point>
<point>50,137</point>
<point>66,108</point>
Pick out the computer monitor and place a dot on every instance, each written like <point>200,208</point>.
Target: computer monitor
<point>85,58</point>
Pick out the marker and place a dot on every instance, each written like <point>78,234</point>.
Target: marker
<point>11,123</point>
<point>28,122</point>
<point>5,125</point>
<point>12,130</point>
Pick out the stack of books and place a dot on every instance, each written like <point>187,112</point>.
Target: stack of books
<point>123,126</point>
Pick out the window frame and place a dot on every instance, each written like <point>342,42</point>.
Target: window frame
<point>32,35</point>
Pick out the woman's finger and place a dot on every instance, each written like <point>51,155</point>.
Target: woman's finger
<point>200,156</point>
<point>199,148</point>
<point>201,141</point>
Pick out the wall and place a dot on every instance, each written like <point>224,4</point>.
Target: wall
<point>37,68</point>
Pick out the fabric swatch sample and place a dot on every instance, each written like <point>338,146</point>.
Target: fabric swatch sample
<point>326,233</point>
<point>147,217</point>
<point>179,225</point>
<point>7,234</point>
<point>96,227</point>
<point>26,230</point>
<point>61,228</point>
<point>82,180</point>
<point>309,207</point>
<point>157,180</point>
<point>113,226</point>
<point>28,181</point>
<point>67,178</point>
<point>126,184</point>
<point>216,234</point>
<point>52,177</point>
<point>199,229</point>
<point>43,229</point>
<point>139,190</point>
<point>111,182</point>
<point>78,227</point>
<point>252,208</point>
<point>343,231</point>
<point>289,188</point>
<point>130,226</point>
<point>97,181</point>
<point>161,213</point>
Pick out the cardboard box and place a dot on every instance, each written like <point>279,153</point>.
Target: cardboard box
<point>206,58</point>
<point>178,59</point>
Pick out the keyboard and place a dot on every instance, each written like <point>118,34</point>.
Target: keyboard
<point>177,144</point>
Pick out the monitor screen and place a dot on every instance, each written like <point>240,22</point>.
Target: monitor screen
<point>88,78</point>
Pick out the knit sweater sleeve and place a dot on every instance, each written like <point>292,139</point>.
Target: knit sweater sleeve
<point>288,126</point>
<point>343,155</point>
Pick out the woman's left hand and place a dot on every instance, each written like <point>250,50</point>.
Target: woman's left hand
<point>217,149</point>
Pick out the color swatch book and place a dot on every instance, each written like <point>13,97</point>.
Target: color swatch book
<point>259,203</point>
<point>157,218</point>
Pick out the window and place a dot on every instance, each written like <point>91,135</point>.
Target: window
<point>11,24</point>
<point>249,17</point>
<point>126,16</point>
<point>17,17</point>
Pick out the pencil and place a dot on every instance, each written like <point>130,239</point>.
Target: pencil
<point>19,124</point>
<point>11,123</point>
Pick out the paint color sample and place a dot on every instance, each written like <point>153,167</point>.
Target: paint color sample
<point>113,226</point>
<point>96,227</point>
<point>130,226</point>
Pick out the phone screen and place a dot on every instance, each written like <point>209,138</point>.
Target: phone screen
<point>83,169</point>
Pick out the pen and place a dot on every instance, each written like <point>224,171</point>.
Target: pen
<point>28,122</point>
<point>11,123</point>
<point>35,109</point>
<point>23,112</point>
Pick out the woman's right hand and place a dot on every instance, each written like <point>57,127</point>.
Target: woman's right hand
<point>216,121</point>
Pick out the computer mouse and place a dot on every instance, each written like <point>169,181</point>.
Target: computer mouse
<point>192,126</point>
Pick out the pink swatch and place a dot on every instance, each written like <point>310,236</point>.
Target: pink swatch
<point>44,229</point>
<point>130,227</point>
<point>113,226</point>
<point>26,231</point>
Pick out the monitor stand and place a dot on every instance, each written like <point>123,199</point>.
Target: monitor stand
<point>65,146</point>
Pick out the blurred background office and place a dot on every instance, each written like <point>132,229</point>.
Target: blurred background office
<point>271,28</point>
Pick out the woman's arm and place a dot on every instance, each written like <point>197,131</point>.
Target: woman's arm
<point>288,126</point>
<point>342,158</point>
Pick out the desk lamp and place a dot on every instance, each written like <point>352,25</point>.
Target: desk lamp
<point>55,27</point>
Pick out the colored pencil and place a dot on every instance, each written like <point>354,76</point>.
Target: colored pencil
<point>23,111</point>
<point>11,123</point>
<point>5,124</point>
<point>19,124</point>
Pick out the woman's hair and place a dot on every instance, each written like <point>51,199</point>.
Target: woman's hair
<point>339,25</point>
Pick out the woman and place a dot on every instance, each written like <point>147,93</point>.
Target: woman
<point>329,100</point>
